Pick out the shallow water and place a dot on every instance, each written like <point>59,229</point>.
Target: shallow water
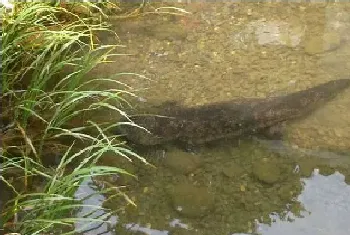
<point>250,188</point>
<point>223,51</point>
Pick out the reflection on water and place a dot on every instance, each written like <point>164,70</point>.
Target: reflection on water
<point>325,199</point>
<point>327,202</point>
<point>93,200</point>
<point>253,187</point>
<point>136,228</point>
<point>225,51</point>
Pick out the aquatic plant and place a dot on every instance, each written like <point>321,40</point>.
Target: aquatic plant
<point>48,135</point>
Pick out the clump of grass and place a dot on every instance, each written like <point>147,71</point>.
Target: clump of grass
<point>54,207</point>
<point>39,42</point>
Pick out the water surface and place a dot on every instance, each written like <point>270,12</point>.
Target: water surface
<point>224,51</point>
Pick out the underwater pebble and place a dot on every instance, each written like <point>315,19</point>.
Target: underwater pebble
<point>232,170</point>
<point>191,201</point>
<point>182,162</point>
<point>266,171</point>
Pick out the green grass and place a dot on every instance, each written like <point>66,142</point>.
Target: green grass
<point>39,42</point>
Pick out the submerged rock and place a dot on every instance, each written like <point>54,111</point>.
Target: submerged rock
<point>267,171</point>
<point>191,201</point>
<point>319,44</point>
<point>232,170</point>
<point>182,162</point>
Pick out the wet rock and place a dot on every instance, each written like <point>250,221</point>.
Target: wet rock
<point>267,171</point>
<point>232,170</point>
<point>317,44</point>
<point>191,201</point>
<point>182,162</point>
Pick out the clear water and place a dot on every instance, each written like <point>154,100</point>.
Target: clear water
<point>224,51</point>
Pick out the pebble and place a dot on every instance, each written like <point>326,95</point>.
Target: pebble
<point>182,162</point>
<point>191,201</point>
<point>266,171</point>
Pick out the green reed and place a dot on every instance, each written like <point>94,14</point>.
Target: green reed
<point>47,54</point>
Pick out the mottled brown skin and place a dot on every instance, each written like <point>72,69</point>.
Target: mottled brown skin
<point>198,125</point>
